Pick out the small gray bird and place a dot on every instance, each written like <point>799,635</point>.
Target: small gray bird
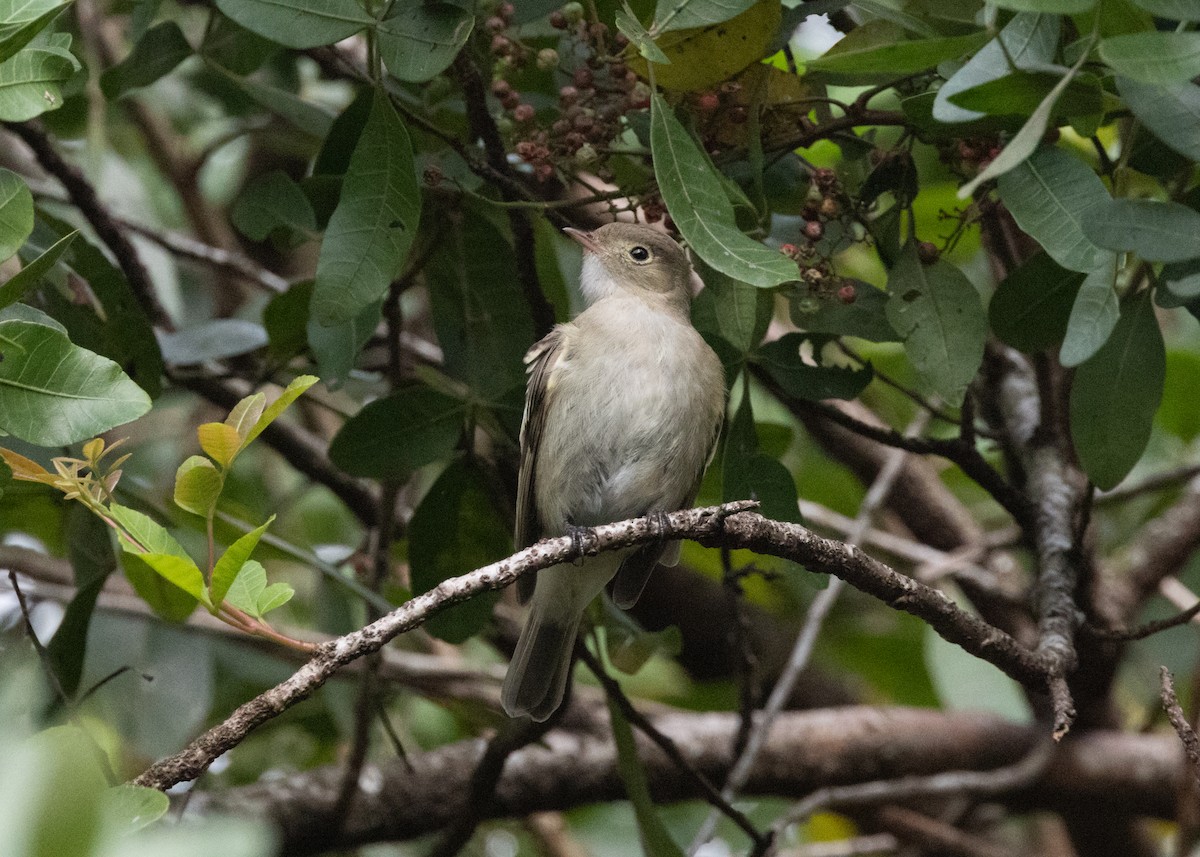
<point>622,411</point>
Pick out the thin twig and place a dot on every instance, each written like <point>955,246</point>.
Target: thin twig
<point>1170,703</point>
<point>1149,629</point>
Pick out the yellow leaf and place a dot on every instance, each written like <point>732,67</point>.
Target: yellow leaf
<point>220,441</point>
<point>246,413</point>
<point>24,468</point>
<point>703,56</point>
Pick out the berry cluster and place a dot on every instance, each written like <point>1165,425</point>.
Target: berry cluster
<point>969,155</point>
<point>827,202</point>
<point>598,90</point>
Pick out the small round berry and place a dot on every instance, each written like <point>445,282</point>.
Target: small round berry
<point>501,87</point>
<point>573,12</point>
<point>598,30</point>
<point>543,172</point>
<point>789,250</point>
<point>501,45</point>
<point>434,175</point>
<point>495,24</point>
<point>927,252</point>
<point>511,100</point>
<point>558,20</point>
<point>547,58</point>
<point>808,305</point>
<point>523,112</point>
<point>507,10</point>
<point>568,95</point>
<point>814,230</point>
<point>586,154</point>
<point>639,97</point>
<point>847,294</point>
<point>824,177</point>
<point>618,69</point>
<point>708,102</point>
<point>830,207</point>
<point>584,77</point>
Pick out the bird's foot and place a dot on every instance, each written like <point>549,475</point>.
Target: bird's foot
<point>579,536</point>
<point>660,523</point>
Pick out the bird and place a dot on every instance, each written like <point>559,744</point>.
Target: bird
<point>623,406</point>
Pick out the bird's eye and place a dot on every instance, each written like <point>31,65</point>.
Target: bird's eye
<point>639,254</point>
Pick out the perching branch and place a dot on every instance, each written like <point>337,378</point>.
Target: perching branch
<point>732,524</point>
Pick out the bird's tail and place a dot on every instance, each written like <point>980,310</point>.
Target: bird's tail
<point>537,675</point>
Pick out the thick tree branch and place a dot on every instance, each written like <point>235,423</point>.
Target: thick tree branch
<point>1110,771</point>
<point>730,525</point>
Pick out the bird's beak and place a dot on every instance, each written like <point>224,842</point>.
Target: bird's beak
<point>585,238</point>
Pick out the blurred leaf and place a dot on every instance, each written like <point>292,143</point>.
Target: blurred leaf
<point>1051,196</point>
<point>220,442</point>
<point>176,570</point>
<point>216,339</point>
<point>887,56</point>
<point>698,204</point>
<point>1178,413</point>
<point>656,840</point>
<point>1115,393</point>
<point>273,201</point>
<point>336,348</point>
<point>419,40</point>
<point>235,48</point>
<point>24,468</point>
<point>1181,280</point>
<point>21,20</point>
<point>31,83</point>
<point>938,312</point>
<point>298,23</point>
<point>1093,315</point>
<point>197,485</point>
<point>1030,308</point>
<point>707,54</point>
<point>1171,112</point>
<point>92,560</point>
<point>16,213</point>
<point>226,570</point>
<point>130,808</point>
<point>376,219</point>
<point>784,360</point>
<point>1024,92</point>
<point>294,390</point>
<point>393,436</point>
<point>154,55</point>
<point>53,392</point>
<point>30,275</point>
<point>305,117</point>
<point>632,29</point>
<point>1155,231</point>
<point>1154,57</point>
<point>1176,10</point>
<point>285,318</point>
<point>480,314</point>
<point>736,312</point>
<point>1065,7</point>
<point>966,683</point>
<point>251,593</point>
<point>629,646</point>
<point>681,14</point>
<point>866,318</point>
<point>1028,40</point>
<point>456,528</point>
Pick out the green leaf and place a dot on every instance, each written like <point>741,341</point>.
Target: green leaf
<point>129,808</point>
<point>298,23</point>
<point>1154,57</point>
<point>866,318</point>
<point>226,570</point>
<point>1114,395</point>
<point>1171,112</point>
<point>682,14</point>
<point>53,392</point>
<point>419,40</point>
<point>285,318</point>
<point>336,348</point>
<point>1050,196</point>
<point>21,20</point>
<point>198,484</point>
<point>164,597</point>
<point>148,536</point>
<point>246,413</point>
<point>938,312</point>
<point>393,436</point>
<point>1063,7</point>
<point>273,201</point>
<point>456,528</point>
<point>220,442</point>
<point>31,83</point>
<point>234,48</point>
<point>734,311</point>
<point>480,314</point>
<point>215,339</point>
<point>656,839</point>
<point>374,224</point>
<point>181,572</point>
<point>1178,413</point>
<point>1176,10</point>
<point>290,393</point>
<point>251,593</point>
<point>1022,93</point>
<point>273,597</point>
<point>1155,231</point>
<point>16,213</point>
<point>848,63</point>
<point>812,379</point>
<point>30,275</point>
<point>92,560</point>
<point>747,473</point>
<point>1093,316</point>
<point>632,28</point>
<point>305,117</point>
<point>1030,308</point>
<point>1028,40</point>
<point>156,54</point>
<point>696,199</point>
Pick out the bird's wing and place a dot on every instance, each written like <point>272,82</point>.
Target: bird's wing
<point>541,361</point>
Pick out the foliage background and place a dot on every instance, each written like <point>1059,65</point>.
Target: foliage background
<point>968,231</point>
